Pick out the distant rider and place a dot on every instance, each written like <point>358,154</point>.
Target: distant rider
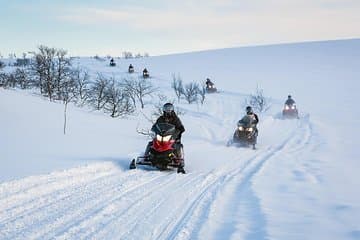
<point>131,68</point>
<point>209,82</point>
<point>289,101</point>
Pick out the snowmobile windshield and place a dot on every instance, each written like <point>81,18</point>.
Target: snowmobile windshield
<point>246,121</point>
<point>163,129</point>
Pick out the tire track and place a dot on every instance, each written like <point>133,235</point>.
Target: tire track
<point>96,207</point>
<point>39,202</point>
<point>206,201</point>
<point>61,207</point>
<point>29,184</point>
<point>125,221</point>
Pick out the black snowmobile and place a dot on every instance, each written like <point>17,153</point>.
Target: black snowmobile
<point>131,69</point>
<point>146,73</point>
<point>246,132</point>
<point>112,63</point>
<point>164,152</point>
<point>210,88</point>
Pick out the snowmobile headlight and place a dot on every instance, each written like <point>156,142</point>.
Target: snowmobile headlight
<point>241,128</point>
<point>166,138</point>
<point>287,107</point>
<point>293,107</point>
<point>158,137</point>
<point>250,129</point>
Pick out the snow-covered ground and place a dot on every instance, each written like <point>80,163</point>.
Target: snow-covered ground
<point>302,182</point>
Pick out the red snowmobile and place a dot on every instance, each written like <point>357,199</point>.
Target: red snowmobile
<point>290,111</point>
<point>165,152</point>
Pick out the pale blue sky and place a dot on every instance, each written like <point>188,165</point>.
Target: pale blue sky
<point>89,27</point>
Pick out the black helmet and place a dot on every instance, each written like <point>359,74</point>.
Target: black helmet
<point>289,96</point>
<point>168,108</point>
<point>249,110</point>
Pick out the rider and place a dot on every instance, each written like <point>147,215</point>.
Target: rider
<point>289,101</point>
<point>131,67</point>
<point>208,82</point>
<point>254,116</point>
<point>169,116</point>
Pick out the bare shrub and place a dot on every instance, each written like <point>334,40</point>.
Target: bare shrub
<point>50,68</point>
<point>177,85</point>
<point>258,101</point>
<point>82,80</point>
<point>118,102</point>
<point>191,91</point>
<point>138,89</point>
<point>98,92</point>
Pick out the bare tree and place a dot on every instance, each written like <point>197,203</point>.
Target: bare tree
<point>22,78</point>
<point>7,80</point>
<point>63,69</point>
<point>118,102</point>
<point>258,101</point>
<point>139,89</point>
<point>98,93</point>
<point>127,54</point>
<point>82,79</point>
<point>68,93</point>
<point>191,91</point>
<point>44,66</point>
<point>51,67</point>
<point>3,79</point>
<point>177,85</point>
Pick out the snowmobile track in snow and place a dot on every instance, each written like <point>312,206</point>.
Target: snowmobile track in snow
<point>102,202</point>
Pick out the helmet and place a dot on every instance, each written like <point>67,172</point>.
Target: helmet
<point>289,96</point>
<point>249,110</point>
<point>168,108</point>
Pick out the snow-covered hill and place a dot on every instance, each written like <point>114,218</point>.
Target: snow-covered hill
<point>301,182</point>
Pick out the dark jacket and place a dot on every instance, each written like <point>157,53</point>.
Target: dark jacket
<point>256,118</point>
<point>290,101</point>
<point>208,82</point>
<point>172,119</point>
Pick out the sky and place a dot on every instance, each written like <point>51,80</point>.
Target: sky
<point>158,27</point>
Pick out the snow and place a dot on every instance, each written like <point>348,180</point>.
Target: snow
<point>300,183</point>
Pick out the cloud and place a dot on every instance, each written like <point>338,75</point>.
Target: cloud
<point>229,23</point>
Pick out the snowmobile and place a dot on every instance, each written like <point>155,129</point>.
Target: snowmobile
<point>146,74</point>
<point>290,111</point>
<point>112,63</point>
<point>246,132</point>
<point>210,88</point>
<point>131,69</point>
<point>165,152</point>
